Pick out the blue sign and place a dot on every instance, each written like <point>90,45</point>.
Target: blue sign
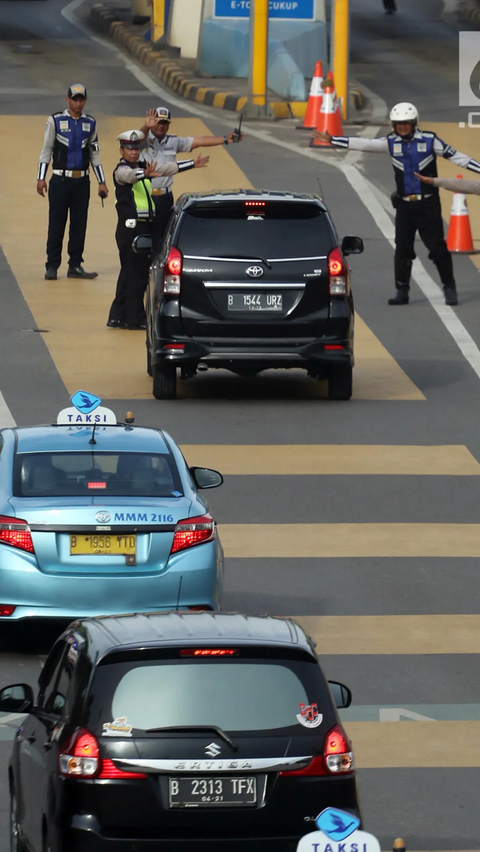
<point>287,9</point>
<point>337,824</point>
<point>85,402</point>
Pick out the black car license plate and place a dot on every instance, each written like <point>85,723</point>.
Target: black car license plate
<point>255,302</point>
<point>212,792</point>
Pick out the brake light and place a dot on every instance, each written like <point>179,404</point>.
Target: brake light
<point>337,273</point>
<point>337,756</point>
<point>81,759</point>
<point>334,346</point>
<point>174,346</point>
<point>7,609</point>
<point>209,652</point>
<point>192,531</point>
<point>172,272</point>
<point>16,533</point>
<point>255,203</point>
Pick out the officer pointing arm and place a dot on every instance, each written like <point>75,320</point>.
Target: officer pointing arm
<point>413,153</point>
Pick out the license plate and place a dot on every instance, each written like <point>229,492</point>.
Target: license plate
<point>255,302</point>
<point>212,792</point>
<point>103,545</point>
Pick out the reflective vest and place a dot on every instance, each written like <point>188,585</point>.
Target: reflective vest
<point>71,148</point>
<point>418,155</point>
<point>134,201</point>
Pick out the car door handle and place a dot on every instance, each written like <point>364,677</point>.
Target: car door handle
<point>47,746</point>
<point>31,740</point>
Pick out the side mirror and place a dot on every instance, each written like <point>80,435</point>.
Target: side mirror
<point>206,478</point>
<point>17,698</point>
<point>142,244</point>
<point>341,694</point>
<point>350,245</point>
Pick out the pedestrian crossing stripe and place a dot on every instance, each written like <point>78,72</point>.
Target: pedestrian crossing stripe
<point>333,459</point>
<point>74,313</point>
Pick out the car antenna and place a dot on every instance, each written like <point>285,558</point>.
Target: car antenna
<point>320,187</point>
<point>92,439</point>
<point>179,590</point>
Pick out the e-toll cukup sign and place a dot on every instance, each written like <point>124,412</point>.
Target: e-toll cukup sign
<point>302,10</point>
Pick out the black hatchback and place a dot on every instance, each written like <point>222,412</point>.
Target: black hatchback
<point>177,731</point>
<point>250,280</point>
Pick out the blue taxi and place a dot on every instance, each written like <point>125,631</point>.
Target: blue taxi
<point>102,518</point>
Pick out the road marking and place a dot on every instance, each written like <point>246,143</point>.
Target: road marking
<point>6,416</point>
<point>333,459</point>
<point>393,634</point>
<point>347,541</point>
<point>418,745</point>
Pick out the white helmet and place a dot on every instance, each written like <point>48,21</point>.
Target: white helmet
<point>404,112</point>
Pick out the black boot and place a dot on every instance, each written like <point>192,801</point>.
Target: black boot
<point>401,297</point>
<point>450,296</point>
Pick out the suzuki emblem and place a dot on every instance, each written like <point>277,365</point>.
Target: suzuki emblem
<point>213,750</point>
<point>103,517</point>
<point>255,271</point>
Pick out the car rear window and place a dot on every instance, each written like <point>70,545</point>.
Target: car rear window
<point>87,474</point>
<point>287,230</point>
<point>235,694</point>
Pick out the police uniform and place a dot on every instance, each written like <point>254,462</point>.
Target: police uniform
<point>136,215</point>
<point>72,145</point>
<point>417,203</point>
<point>163,151</point>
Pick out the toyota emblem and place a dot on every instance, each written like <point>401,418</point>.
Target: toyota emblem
<point>255,271</point>
<point>103,517</point>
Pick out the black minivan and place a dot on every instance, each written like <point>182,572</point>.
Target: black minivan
<point>177,732</point>
<point>251,280</point>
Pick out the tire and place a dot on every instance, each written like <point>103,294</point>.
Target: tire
<point>340,381</point>
<point>149,358</point>
<point>164,380</point>
<point>16,844</point>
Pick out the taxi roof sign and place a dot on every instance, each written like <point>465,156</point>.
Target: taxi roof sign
<point>86,411</point>
<point>357,841</point>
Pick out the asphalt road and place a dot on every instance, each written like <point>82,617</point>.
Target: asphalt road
<point>380,588</point>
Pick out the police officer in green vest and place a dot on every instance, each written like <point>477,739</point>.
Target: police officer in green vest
<point>136,212</point>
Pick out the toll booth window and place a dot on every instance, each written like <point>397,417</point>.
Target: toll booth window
<point>95,473</point>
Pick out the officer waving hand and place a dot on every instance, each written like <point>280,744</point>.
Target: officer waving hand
<point>413,153</point>
<point>71,141</point>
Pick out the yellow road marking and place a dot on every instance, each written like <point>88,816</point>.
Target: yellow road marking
<point>385,745</point>
<point>255,541</point>
<point>73,313</point>
<point>393,634</point>
<point>346,459</point>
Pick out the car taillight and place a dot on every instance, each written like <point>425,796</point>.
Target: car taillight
<point>337,273</point>
<point>81,759</point>
<point>192,531</point>
<point>172,272</point>
<point>7,609</point>
<point>337,756</point>
<point>16,533</point>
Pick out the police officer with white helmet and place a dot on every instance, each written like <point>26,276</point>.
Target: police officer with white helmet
<point>136,213</point>
<point>413,153</point>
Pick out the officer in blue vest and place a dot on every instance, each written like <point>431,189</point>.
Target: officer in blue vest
<point>413,153</point>
<point>71,141</point>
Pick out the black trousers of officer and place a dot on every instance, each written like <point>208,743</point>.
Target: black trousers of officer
<point>163,208</point>
<point>424,216</point>
<point>67,195</point>
<point>128,305</point>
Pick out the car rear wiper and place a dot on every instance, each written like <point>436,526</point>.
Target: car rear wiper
<point>245,257</point>
<point>187,728</point>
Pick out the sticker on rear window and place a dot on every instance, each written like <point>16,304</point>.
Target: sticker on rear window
<point>309,716</point>
<point>117,728</point>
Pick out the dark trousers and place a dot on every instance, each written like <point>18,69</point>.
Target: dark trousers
<point>390,5</point>
<point>128,304</point>
<point>425,217</point>
<point>67,195</point>
<point>163,208</point>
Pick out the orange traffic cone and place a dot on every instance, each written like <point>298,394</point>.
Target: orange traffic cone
<point>315,98</point>
<point>459,237</point>
<point>329,117</point>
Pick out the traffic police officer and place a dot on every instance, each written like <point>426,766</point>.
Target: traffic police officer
<point>163,147</point>
<point>71,139</point>
<point>136,213</point>
<point>413,153</point>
